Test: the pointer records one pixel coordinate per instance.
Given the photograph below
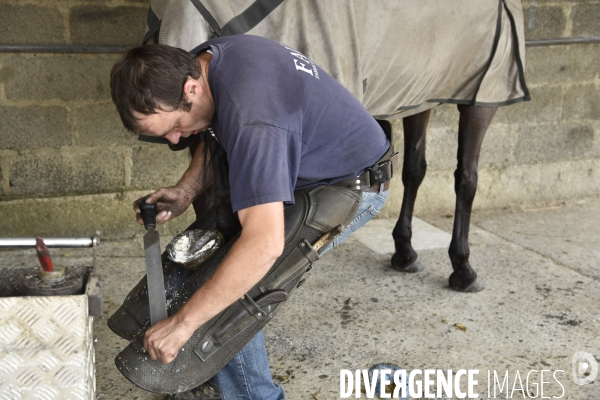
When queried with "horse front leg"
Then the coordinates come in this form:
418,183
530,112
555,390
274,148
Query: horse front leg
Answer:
413,172
473,124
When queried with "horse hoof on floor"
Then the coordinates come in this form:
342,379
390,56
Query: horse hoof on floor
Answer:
461,286
416,266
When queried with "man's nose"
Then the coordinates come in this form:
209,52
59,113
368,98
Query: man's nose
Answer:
173,137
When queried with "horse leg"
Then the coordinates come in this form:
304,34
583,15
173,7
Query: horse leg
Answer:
413,172
473,124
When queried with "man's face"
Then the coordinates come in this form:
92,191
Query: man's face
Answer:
173,125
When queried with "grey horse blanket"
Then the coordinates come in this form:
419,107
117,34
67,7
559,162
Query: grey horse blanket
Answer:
399,57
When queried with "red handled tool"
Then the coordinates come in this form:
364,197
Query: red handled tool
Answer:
43,254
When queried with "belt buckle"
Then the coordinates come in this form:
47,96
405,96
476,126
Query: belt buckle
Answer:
381,172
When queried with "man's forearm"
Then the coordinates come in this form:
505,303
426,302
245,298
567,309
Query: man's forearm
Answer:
261,242
246,264
249,259
199,175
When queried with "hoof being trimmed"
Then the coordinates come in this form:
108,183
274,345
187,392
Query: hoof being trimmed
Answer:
416,266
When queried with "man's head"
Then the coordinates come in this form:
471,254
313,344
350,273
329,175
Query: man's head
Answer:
152,81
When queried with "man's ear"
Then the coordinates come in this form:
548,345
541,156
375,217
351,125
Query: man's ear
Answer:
192,88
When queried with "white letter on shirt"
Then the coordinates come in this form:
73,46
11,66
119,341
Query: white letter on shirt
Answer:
300,66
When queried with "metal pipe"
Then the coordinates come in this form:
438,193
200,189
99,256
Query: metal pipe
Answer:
34,48
16,243
553,42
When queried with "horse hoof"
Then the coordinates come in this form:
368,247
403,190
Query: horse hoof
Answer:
459,285
416,266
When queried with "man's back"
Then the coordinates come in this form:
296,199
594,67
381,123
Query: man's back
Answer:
285,123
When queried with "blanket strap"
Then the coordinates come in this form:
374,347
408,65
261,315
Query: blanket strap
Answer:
242,23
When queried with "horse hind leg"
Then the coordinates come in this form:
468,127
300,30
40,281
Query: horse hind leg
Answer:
473,124
413,171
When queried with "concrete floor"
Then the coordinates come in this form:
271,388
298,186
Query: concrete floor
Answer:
541,303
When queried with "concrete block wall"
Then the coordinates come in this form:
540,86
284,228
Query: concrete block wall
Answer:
67,167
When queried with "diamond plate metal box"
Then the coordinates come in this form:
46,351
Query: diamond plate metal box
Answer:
46,342
46,348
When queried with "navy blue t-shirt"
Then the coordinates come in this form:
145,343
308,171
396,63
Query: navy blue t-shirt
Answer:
284,123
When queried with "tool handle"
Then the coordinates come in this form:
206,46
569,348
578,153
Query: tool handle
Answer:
43,254
149,214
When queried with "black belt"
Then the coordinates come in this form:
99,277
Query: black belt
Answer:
372,178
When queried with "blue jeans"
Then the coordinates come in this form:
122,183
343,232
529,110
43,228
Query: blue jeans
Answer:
248,375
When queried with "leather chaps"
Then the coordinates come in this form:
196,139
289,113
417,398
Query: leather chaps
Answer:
310,225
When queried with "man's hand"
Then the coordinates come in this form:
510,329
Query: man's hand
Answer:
163,340
171,202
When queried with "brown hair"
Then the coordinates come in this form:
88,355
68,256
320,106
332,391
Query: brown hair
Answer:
150,78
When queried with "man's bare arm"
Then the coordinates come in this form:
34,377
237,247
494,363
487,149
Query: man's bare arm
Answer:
250,258
173,201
